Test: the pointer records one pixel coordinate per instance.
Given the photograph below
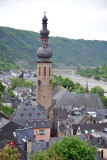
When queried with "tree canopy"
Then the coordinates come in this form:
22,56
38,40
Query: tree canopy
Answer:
2,87
68,52
9,153
67,83
97,89
99,73
18,82
68,148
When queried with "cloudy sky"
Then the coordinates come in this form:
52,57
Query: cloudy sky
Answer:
75,19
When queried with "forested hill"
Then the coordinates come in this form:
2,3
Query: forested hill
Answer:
20,46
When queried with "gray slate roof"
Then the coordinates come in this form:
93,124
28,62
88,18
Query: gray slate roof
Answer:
97,127
65,98
6,98
31,114
39,146
26,133
15,103
21,89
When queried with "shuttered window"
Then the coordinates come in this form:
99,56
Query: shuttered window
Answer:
41,132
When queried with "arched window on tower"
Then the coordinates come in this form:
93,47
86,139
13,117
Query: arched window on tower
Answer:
49,71
39,71
44,41
44,71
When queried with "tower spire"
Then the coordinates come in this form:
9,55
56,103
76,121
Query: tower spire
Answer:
87,90
44,53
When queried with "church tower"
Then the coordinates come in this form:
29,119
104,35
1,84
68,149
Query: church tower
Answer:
44,83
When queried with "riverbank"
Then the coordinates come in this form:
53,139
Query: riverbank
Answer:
82,80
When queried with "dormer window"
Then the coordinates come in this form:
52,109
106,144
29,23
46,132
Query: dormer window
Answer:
21,114
27,123
30,114
86,131
105,129
42,122
99,141
34,123
38,114
92,130
92,114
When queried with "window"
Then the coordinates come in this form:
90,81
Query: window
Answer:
44,71
105,129
45,41
92,114
99,141
34,123
49,71
92,130
86,131
41,132
27,123
39,71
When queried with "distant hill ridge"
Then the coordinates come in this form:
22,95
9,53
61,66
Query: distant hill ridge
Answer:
20,45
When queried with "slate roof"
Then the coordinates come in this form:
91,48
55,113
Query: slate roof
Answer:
62,114
65,98
97,127
3,122
39,146
21,89
100,113
31,116
82,119
41,108
53,139
15,103
6,133
6,98
26,133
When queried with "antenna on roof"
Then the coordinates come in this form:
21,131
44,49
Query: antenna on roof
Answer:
87,90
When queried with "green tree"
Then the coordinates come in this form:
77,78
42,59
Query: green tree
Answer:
11,94
69,148
2,87
16,82
6,109
81,89
104,100
97,89
67,83
54,83
27,83
9,153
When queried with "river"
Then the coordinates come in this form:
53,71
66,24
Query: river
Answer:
82,80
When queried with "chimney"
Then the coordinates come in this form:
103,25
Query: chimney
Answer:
29,146
88,136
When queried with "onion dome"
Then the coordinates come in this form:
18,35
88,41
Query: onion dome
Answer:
44,19
44,52
44,32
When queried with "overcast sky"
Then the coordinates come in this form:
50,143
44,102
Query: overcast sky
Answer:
74,19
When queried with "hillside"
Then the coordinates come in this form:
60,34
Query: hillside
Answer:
18,47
